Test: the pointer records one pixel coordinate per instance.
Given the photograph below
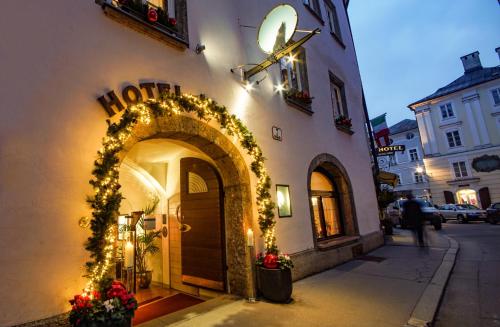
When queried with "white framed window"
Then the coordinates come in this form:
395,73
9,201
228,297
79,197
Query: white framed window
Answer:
495,96
418,177
294,72
446,110
337,93
413,153
460,169
398,179
333,19
453,139
410,136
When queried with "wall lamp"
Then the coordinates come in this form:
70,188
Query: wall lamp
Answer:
199,48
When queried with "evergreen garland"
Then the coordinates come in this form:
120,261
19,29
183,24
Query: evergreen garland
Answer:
105,202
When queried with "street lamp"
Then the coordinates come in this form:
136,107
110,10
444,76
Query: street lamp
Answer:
419,170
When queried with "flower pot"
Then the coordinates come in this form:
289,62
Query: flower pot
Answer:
275,284
144,279
123,323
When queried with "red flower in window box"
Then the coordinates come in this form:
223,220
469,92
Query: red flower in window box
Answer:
343,121
152,15
301,96
172,21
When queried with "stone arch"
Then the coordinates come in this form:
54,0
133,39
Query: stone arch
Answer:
332,167
235,179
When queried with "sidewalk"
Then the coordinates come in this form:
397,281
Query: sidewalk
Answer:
357,293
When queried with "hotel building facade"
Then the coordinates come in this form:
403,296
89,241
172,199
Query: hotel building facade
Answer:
70,70
459,128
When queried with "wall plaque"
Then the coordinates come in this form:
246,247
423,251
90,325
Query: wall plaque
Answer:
486,163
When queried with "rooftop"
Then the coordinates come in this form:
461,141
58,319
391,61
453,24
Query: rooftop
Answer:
403,126
467,80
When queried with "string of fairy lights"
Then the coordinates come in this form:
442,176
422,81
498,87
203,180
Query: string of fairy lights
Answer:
105,202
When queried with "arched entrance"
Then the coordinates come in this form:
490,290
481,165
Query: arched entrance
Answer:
235,183
331,199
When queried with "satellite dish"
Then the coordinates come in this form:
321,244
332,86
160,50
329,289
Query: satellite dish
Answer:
277,28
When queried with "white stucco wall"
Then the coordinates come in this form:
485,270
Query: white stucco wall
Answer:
59,56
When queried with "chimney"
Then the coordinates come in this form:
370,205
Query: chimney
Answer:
471,62
498,52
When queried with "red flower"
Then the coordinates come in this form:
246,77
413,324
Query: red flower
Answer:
172,21
270,261
152,15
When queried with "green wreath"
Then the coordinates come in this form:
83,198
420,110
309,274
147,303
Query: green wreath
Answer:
105,202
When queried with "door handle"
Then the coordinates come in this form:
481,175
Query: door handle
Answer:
180,218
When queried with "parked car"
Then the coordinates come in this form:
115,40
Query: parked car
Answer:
431,214
493,213
463,213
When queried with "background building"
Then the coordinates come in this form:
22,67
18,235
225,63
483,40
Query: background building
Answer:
407,165
59,58
459,128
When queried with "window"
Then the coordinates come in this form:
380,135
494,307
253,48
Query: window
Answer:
294,74
413,154
164,20
419,178
337,92
325,206
460,169
447,111
398,179
410,136
495,93
333,20
453,139
314,6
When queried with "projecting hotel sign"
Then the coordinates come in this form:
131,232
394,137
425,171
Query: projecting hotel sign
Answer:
390,149
132,94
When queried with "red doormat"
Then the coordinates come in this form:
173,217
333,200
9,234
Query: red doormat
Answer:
162,307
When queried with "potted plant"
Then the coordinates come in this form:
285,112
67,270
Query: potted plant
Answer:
343,122
146,247
300,96
274,276
111,305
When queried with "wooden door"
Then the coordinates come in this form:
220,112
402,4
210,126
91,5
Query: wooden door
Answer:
448,197
484,197
202,241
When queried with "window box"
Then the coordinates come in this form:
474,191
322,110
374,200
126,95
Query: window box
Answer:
344,124
140,17
299,99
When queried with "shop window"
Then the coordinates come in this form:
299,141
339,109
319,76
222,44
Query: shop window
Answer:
325,205
333,21
453,138
165,20
294,79
460,169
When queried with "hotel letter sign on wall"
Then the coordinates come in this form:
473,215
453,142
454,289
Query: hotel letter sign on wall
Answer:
132,94
390,149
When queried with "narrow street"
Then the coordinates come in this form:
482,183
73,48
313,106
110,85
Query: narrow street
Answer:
472,297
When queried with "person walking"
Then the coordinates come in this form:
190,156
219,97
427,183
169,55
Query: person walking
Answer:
414,217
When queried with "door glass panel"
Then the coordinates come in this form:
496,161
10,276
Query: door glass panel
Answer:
196,184
332,221
317,218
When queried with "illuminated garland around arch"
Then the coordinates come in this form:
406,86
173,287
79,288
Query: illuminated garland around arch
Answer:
105,202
